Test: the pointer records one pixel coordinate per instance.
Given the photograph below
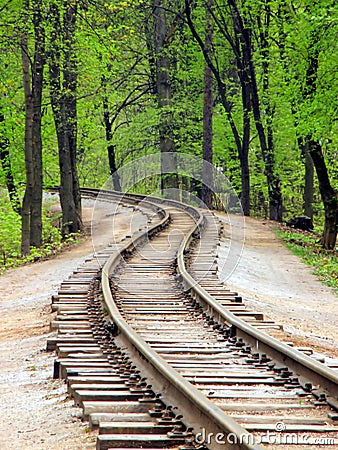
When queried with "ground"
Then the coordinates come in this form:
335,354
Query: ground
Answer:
34,408
273,280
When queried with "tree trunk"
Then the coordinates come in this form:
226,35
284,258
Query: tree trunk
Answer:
207,175
328,193
37,84
69,90
244,150
169,178
308,192
111,147
243,33
63,99
245,174
69,215
329,196
28,195
113,169
242,144
242,57
273,181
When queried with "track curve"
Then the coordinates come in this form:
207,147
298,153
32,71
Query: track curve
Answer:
176,367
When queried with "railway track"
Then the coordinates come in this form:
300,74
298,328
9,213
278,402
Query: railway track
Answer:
160,355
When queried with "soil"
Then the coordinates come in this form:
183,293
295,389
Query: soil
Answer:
273,280
35,410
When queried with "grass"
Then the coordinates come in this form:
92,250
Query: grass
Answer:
306,245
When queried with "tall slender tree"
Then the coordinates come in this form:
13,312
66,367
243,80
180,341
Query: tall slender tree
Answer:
241,137
328,193
169,179
207,175
33,83
243,29
63,83
309,138
266,133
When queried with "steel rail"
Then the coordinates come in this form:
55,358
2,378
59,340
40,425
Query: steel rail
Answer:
197,410
173,386
310,369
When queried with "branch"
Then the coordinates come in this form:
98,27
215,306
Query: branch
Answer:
129,101
5,5
221,85
224,30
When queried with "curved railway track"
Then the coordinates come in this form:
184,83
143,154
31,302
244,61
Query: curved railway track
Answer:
160,355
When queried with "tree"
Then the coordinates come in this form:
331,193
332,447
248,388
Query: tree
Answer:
242,143
63,82
243,29
313,70
206,194
33,80
266,134
162,35
328,193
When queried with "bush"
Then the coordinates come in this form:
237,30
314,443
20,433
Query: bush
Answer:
10,235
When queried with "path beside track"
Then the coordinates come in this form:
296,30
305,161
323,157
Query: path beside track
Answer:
34,409
272,279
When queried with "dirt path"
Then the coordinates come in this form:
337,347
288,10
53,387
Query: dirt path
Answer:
273,280
34,409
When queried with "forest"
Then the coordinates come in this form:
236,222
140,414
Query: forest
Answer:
87,86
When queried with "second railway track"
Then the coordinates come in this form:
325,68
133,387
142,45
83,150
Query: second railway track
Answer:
155,345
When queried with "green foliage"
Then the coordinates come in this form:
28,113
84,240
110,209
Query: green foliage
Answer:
10,236
308,248
114,44
10,233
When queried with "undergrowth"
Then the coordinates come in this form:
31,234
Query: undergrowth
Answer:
10,237
306,245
